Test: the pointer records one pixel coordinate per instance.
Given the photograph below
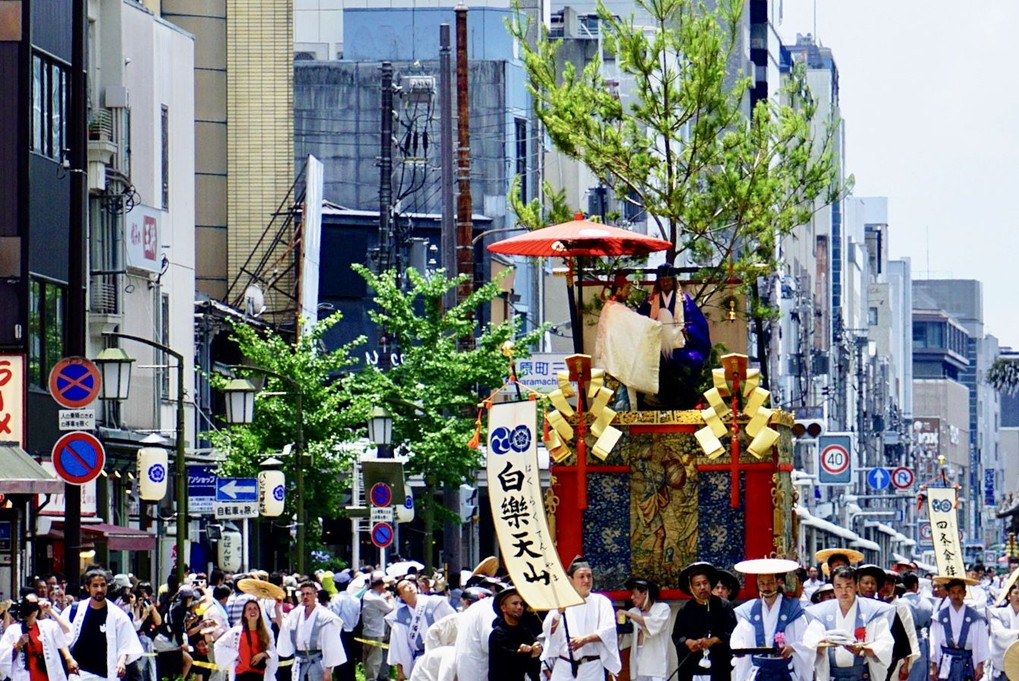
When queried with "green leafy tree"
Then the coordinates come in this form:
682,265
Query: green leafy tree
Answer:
1004,375
721,186
433,391
330,417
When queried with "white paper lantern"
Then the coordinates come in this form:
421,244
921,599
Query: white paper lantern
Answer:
152,473
405,511
229,551
271,492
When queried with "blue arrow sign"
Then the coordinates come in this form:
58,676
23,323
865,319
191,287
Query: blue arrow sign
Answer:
878,478
236,489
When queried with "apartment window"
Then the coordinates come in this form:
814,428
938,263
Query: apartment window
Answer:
164,128
49,107
46,342
872,316
520,130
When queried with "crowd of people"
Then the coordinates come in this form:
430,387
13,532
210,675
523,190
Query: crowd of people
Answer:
836,620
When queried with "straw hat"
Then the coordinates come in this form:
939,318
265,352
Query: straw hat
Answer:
945,579
852,555
487,567
261,589
766,566
1011,664
1005,588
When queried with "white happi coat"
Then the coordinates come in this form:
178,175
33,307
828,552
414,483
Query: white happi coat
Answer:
1004,626
595,616
439,661
121,638
652,657
12,665
228,650
876,618
473,630
329,641
431,610
745,636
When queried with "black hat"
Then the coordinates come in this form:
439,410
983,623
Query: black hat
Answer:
692,570
474,594
507,590
578,563
874,571
730,581
643,585
665,270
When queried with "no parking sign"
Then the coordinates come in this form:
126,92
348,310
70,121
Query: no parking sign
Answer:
834,459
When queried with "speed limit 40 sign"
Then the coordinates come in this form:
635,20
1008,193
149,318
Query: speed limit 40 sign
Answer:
834,459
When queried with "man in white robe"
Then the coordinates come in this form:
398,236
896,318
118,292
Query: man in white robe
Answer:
474,627
439,662
410,623
311,634
850,638
101,633
15,640
582,636
959,637
1004,624
773,620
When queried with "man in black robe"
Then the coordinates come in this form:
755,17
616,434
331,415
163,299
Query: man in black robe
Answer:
703,627
513,649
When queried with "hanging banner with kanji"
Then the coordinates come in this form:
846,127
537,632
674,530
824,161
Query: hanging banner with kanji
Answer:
945,531
514,488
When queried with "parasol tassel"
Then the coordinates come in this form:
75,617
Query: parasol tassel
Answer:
475,442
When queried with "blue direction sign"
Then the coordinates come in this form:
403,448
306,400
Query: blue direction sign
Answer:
236,489
78,457
879,478
201,488
382,535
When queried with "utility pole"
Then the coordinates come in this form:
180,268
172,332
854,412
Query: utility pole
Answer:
387,249
449,228
77,265
464,224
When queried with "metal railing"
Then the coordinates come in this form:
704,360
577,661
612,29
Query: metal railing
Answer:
104,293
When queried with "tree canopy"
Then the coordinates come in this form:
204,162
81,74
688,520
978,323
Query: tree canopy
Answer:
722,186
1004,375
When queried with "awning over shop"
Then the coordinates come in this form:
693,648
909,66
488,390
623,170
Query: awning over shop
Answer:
890,531
115,537
865,544
807,518
20,474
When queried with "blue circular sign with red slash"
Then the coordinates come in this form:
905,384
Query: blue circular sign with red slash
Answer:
381,494
382,535
75,382
78,457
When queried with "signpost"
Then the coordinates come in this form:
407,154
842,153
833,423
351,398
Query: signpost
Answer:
381,494
201,488
835,463
77,419
78,458
236,489
878,478
74,382
926,534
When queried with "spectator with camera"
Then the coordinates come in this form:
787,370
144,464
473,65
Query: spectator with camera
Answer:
34,649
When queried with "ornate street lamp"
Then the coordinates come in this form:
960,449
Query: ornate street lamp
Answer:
240,401
115,366
380,430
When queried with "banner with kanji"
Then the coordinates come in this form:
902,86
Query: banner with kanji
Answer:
514,488
945,531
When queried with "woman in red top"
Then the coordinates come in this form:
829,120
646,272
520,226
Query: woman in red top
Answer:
247,650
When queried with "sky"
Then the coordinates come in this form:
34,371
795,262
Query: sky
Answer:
929,92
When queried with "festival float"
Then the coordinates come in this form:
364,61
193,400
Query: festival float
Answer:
654,467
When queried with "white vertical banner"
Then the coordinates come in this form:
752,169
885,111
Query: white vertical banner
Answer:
945,531
514,488
311,242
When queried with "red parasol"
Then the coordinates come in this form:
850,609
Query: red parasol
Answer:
579,237
570,240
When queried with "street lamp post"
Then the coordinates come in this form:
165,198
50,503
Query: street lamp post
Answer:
240,411
115,364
